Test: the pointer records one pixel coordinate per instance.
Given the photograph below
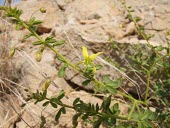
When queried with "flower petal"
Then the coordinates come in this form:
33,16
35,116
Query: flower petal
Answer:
93,56
85,52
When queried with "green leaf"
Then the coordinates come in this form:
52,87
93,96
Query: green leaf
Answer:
98,67
18,27
85,116
61,95
76,101
58,115
32,19
46,103
106,103
116,106
111,89
150,36
120,126
86,82
114,84
97,123
137,19
50,41
61,59
37,22
60,42
110,83
140,125
131,10
145,115
129,126
37,43
113,120
53,99
159,48
147,124
44,94
62,70
75,118
153,116
135,115
63,110
49,38
43,121
106,79
142,28
27,36
34,28
53,104
97,107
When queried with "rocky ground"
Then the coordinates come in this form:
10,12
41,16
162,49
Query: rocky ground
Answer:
79,22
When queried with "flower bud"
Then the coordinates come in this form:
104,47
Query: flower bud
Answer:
12,52
43,10
38,56
46,85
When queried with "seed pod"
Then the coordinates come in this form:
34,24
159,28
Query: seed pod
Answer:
38,56
43,10
46,85
12,52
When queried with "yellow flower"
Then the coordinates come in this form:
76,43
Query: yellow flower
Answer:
88,59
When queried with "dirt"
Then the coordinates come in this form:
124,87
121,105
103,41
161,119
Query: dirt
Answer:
80,22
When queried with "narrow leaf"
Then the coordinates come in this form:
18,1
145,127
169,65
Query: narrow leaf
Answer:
75,118
57,43
86,82
145,115
58,115
76,101
61,95
97,123
37,43
53,104
46,103
43,121
63,110
27,36
62,70
37,22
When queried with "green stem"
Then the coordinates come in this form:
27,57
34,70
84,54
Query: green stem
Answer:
147,86
68,62
132,110
137,106
149,77
61,104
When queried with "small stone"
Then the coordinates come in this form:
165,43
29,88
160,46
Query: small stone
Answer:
130,29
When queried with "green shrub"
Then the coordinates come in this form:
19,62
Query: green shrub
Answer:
154,67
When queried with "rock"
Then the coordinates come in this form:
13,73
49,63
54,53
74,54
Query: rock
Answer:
62,3
130,29
41,30
83,22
